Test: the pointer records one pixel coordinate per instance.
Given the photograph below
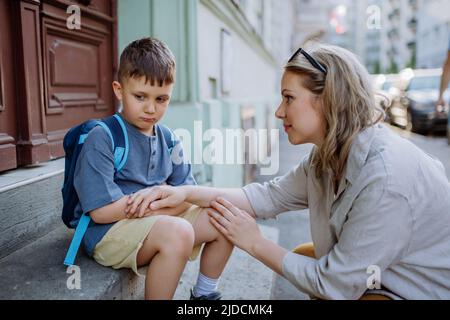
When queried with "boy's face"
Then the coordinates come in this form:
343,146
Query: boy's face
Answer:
143,104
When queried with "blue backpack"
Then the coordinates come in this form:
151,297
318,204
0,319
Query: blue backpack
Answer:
73,143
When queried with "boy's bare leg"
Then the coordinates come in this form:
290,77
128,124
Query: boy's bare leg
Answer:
165,251
217,249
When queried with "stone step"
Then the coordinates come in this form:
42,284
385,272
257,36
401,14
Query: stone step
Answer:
37,272
31,204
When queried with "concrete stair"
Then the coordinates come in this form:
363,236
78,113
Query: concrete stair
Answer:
37,272
33,243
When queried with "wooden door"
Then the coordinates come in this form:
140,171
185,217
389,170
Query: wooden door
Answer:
8,127
62,76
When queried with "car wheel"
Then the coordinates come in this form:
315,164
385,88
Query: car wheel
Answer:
409,122
413,127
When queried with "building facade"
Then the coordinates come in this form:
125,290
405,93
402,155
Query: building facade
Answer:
352,24
433,33
311,21
398,36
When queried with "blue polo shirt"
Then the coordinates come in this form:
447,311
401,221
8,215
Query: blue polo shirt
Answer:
149,164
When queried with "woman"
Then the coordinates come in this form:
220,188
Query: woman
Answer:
379,206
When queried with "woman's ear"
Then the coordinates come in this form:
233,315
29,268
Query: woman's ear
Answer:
317,103
117,88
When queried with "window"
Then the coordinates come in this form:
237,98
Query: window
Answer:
226,61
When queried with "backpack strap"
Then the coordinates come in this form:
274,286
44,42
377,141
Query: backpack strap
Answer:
119,136
76,240
115,127
168,136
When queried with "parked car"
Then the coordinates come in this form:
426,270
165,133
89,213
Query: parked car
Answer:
416,109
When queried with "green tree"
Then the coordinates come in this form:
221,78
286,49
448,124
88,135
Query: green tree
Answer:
393,68
412,61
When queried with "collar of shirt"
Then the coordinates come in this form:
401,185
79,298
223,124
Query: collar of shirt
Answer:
356,159
359,151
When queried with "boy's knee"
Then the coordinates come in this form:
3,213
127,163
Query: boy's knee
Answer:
204,226
184,232
178,235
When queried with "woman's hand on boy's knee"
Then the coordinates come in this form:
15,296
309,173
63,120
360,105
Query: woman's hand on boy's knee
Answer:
237,225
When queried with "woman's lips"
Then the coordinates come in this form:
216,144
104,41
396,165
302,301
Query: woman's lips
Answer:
286,128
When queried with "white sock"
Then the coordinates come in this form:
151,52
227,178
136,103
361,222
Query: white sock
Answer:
205,285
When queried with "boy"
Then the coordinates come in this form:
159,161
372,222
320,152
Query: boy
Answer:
126,235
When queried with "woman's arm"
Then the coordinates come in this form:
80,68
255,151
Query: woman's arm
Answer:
286,193
161,197
175,211
367,240
202,196
116,211
242,230
270,254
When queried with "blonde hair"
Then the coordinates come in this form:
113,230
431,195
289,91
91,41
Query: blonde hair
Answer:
348,102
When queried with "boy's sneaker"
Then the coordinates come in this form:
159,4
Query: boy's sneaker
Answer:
212,296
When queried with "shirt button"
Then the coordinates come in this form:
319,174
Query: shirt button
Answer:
153,153
152,167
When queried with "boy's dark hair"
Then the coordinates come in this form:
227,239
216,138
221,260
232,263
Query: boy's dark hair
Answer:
148,57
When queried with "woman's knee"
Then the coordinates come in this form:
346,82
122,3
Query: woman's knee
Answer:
305,249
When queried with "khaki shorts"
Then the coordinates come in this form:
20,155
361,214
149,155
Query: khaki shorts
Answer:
120,245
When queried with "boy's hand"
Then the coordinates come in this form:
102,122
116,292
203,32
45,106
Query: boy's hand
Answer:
147,213
153,198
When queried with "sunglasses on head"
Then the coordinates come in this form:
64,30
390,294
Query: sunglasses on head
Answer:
311,60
